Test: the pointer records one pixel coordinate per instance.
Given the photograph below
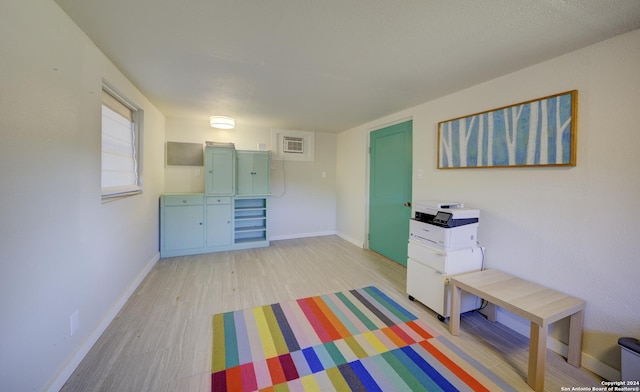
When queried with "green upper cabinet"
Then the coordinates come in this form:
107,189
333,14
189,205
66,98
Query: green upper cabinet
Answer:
253,172
220,167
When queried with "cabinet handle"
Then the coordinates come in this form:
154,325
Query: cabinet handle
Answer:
200,223
184,201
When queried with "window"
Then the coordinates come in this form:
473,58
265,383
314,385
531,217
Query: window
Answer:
121,137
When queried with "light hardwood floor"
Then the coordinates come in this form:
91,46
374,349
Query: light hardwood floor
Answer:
161,340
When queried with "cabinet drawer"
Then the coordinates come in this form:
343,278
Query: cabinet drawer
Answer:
182,200
431,287
218,200
447,262
427,256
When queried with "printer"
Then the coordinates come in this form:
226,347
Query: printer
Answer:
442,243
444,224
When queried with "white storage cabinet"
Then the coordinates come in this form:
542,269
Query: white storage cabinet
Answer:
428,270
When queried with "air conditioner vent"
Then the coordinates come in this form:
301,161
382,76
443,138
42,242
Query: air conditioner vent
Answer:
293,145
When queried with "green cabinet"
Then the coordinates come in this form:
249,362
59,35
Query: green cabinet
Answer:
220,168
230,215
219,222
182,229
253,172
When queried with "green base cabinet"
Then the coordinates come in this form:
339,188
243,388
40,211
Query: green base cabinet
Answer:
219,222
182,223
195,223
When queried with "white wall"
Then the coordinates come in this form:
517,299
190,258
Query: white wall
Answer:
61,248
303,202
572,229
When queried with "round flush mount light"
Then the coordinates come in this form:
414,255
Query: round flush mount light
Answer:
222,122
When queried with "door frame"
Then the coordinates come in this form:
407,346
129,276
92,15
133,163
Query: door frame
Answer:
368,170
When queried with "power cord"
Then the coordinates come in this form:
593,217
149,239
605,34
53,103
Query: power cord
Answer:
284,182
483,303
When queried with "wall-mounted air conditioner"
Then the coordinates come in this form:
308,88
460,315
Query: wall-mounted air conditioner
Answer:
291,145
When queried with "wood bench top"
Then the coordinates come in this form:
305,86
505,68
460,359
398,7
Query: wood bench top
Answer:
532,301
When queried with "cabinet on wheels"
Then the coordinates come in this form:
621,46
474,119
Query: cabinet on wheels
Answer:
428,271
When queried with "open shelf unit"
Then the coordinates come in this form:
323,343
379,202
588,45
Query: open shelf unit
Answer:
250,219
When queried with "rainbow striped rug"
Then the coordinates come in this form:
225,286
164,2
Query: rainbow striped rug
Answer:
359,340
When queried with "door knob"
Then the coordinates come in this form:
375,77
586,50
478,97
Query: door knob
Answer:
407,204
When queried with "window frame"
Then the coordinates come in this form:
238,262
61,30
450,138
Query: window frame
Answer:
137,121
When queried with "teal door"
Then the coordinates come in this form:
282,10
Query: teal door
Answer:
390,166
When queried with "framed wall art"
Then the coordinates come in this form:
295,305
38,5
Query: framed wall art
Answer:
540,132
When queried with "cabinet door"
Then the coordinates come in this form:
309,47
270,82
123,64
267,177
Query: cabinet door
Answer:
183,227
219,230
261,170
245,172
253,172
220,171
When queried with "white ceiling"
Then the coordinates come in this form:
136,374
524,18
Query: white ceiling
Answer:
329,65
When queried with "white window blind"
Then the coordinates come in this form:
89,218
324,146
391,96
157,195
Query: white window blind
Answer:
119,144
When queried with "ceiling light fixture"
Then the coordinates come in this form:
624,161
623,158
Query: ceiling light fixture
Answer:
222,122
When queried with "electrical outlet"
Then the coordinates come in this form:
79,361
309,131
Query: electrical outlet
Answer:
74,322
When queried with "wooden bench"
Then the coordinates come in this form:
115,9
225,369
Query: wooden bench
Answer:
538,304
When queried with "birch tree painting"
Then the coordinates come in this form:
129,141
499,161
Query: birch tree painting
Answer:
540,132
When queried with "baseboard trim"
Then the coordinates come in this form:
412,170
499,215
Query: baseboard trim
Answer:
590,363
302,235
63,375
355,242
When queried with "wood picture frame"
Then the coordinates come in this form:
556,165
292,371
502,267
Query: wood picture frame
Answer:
539,132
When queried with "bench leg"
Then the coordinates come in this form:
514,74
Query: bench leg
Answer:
575,339
454,311
492,312
537,356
